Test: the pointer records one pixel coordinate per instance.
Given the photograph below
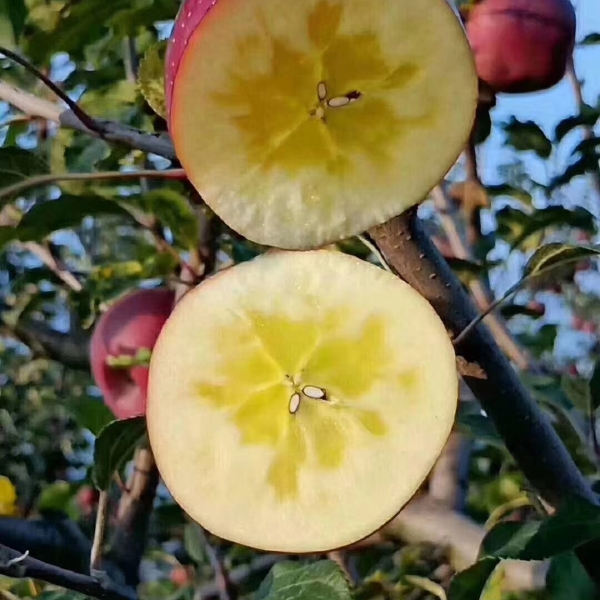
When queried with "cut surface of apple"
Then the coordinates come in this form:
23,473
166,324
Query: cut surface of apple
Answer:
303,126
297,401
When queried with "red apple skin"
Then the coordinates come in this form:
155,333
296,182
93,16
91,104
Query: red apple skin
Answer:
521,46
132,323
187,20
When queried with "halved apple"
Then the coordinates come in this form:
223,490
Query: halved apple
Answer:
297,401
304,123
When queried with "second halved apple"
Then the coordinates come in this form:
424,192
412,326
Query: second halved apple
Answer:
302,124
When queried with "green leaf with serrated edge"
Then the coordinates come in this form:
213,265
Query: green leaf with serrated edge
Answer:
65,212
594,387
567,579
320,580
527,136
114,447
151,78
470,583
556,254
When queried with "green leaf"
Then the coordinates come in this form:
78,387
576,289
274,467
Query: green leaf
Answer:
588,163
173,210
65,212
320,580
56,496
511,191
17,165
568,580
516,226
590,39
192,540
494,586
435,589
554,255
575,523
114,446
527,136
91,413
577,391
471,422
470,583
16,13
587,117
594,388
151,78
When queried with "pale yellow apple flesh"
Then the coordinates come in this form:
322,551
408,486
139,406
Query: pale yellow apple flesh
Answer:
304,123
297,401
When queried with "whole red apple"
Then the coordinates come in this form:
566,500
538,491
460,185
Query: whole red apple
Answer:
131,324
521,46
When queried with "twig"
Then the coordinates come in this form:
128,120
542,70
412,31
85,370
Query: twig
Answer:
525,429
227,590
481,294
86,119
40,180
511,290
159,144
99,531
15,564
51,262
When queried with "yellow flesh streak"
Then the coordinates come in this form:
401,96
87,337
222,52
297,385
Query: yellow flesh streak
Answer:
244,108
255,383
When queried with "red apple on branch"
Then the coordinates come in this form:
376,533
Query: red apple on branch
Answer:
129,326
521,45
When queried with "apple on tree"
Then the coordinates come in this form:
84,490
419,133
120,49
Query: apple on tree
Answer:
128,326
521,45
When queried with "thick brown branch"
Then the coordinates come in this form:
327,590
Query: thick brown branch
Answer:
129,540
526,431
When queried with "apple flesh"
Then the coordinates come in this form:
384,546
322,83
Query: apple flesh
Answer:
303,127
297,401
521,45
131,324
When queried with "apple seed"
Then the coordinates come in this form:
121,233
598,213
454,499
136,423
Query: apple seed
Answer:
314,392
294,403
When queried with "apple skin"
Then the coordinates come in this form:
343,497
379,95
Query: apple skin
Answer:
132,323
521,46
187,20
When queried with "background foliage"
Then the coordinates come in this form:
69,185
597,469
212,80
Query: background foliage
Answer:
81,244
